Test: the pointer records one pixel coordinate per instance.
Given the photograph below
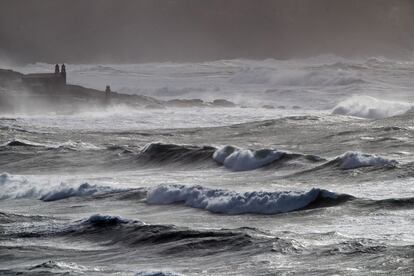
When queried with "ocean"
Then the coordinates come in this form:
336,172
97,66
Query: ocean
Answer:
311,173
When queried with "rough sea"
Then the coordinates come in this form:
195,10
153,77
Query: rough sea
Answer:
311,174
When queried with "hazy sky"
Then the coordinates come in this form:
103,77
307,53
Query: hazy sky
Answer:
186,30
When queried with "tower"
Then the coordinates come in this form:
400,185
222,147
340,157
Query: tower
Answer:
107,94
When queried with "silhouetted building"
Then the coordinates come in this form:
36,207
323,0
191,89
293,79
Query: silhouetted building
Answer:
107,94
46,80
63,71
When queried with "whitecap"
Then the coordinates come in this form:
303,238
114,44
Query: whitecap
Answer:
236,159
370,107
355,159
231,202
14,187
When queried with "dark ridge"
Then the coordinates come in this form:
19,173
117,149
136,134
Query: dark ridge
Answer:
323,201
170,153
17,143
158,234
286,157
390,203
300,118
99,221
135,194
211,245
172,240
390,128
164,239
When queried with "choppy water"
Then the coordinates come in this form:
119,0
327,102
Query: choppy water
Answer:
217,191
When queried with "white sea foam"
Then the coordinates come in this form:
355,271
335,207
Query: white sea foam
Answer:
12,187
370,107
353,160
230,202
237,159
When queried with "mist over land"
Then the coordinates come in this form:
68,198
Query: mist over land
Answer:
126,31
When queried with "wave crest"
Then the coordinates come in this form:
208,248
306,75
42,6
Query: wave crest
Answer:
237,159
354,159
14,187
371,108
230,202
172,153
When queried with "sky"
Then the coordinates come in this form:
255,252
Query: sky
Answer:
128,31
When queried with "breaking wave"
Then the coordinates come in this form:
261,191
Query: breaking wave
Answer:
371,108
237,159
12,187
230,202
232,158
354,159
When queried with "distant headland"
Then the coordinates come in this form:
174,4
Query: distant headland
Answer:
50,91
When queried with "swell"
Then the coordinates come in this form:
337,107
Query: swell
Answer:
388,203
238,159
170,154
16,153
263,202
236,203
231,202
213,200
230,157
113,231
